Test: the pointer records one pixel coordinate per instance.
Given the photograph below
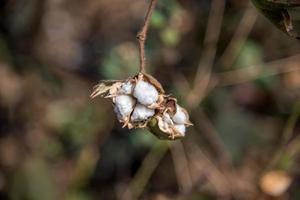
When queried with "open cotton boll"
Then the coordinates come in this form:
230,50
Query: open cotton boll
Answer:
141,113
180,116
180,128
164,122
167,118
145,93
126,88
123,106
117,111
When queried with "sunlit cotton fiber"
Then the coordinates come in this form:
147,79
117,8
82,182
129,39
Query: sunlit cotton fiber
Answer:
145,93
180,128
123,106
126,88
180,116
141,113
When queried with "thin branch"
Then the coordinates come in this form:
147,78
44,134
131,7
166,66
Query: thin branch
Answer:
242,75
239,38
210,133
145,171
181,166
286,136
142,35
205,167
212,34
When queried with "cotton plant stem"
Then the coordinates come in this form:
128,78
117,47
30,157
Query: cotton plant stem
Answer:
151,161
181,166
246,74
286,146
145,171
142,36
239,38
286,136
209,132
204,166
203,74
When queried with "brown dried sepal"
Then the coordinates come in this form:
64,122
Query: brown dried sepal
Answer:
106,88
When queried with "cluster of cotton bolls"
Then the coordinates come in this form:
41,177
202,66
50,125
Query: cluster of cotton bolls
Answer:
175,122
141,102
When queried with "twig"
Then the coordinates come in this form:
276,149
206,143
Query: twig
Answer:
145,171
204,166
208,130
181,166
238,76
286,146
203,75
142,35
239,38
225,182
286,136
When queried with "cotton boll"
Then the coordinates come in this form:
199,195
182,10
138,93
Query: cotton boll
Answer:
180,128
118,112
180,116
126,88
141,113
123,106
163,126
145,93
167,118
164,122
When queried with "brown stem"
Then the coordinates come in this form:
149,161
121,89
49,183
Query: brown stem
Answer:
204,71
142,35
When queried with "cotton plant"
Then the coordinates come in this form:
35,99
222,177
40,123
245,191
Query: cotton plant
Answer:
141,102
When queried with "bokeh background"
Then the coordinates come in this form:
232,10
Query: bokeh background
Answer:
236,73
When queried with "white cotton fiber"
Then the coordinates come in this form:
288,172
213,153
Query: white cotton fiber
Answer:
167,119
141,113
165,122
145,93
180,116
163,125
180,128
126,88
123,106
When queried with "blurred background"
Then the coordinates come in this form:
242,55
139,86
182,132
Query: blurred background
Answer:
236,73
